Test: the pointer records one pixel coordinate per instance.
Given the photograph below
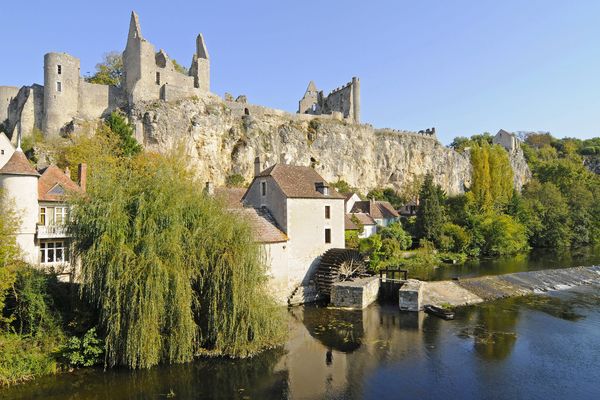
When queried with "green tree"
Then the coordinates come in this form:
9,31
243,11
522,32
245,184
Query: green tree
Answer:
235,180
9,253
502,235
110,71
430,215
172,274
550,222
395,232
124,131
492,184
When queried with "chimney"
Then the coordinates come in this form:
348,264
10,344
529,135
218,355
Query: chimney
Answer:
82,170
209,189
256,166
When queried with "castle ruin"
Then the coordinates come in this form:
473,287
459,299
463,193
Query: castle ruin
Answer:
65,96
344,100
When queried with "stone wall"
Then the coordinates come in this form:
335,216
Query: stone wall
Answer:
96,101
7,93
357,294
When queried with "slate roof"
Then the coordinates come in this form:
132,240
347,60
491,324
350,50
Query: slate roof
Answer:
231,197
18,164
263,224
376,209
51,177
363,218
298,182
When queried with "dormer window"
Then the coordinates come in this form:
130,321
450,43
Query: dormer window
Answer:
323,188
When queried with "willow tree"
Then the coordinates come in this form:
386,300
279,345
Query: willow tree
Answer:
171,272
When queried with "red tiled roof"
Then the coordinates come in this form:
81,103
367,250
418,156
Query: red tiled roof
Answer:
51,177
231,197
299,182
263,224
18,164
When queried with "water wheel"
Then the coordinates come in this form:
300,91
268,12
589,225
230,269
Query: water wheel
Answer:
338,265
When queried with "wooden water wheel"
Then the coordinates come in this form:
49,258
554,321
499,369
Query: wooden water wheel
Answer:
338,265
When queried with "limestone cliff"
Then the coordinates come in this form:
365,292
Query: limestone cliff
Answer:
223,138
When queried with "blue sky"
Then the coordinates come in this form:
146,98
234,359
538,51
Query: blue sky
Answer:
464,67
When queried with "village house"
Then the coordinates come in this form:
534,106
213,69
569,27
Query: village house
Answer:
370,215
295,216
39,197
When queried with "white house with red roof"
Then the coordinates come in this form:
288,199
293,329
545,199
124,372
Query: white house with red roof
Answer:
296,217
39,198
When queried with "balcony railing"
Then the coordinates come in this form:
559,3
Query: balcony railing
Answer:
51,231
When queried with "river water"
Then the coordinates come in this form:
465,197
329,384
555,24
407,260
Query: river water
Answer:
537,347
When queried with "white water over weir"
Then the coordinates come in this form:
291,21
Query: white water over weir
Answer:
476,290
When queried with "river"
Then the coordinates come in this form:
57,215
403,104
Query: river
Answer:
537,347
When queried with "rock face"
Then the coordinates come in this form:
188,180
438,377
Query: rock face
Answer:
222,138
592,163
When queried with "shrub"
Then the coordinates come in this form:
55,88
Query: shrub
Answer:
83,351
235,180
394,231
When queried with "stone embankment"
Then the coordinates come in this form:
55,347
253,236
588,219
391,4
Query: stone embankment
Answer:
476,290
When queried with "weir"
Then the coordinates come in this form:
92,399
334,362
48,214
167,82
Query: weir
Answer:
476,290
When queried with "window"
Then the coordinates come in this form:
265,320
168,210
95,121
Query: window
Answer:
59,69
263,188
53,252
58,87
60,215
327,235
158,78
327,212
42,215
2,152
57,190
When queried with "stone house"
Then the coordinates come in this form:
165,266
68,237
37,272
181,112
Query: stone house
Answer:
295,216
39,198
362,223
371,214
507,140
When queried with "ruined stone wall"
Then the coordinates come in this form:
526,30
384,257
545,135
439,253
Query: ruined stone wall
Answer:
96,101
7,93
340,100
25,112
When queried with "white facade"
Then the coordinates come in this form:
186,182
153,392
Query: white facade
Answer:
22,191
6,149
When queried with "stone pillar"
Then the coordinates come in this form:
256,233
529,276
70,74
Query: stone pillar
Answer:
410,296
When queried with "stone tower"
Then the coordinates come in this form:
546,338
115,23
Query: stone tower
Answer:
139,64
19,180
200,68
356,99
61,91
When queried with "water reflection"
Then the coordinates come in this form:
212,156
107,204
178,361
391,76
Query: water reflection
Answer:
492,327
381,353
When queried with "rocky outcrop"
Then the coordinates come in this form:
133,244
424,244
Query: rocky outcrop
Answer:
222,138
592,163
